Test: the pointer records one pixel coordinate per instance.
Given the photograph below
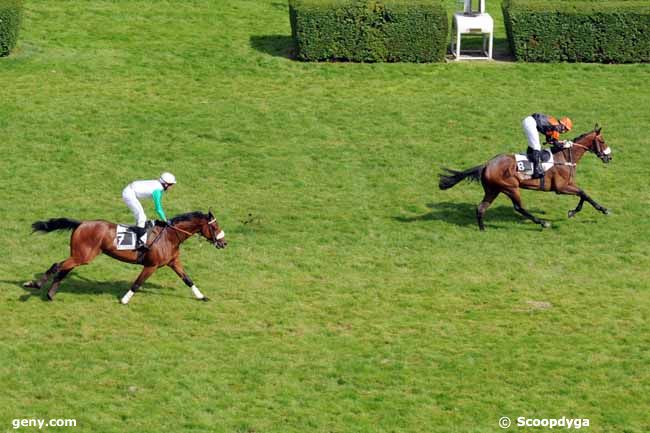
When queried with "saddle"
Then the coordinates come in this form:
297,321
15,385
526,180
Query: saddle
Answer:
525,166
126,236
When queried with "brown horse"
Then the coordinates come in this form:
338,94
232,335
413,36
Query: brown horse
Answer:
500,175
90,238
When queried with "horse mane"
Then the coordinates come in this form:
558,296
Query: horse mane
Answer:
188,216
583,135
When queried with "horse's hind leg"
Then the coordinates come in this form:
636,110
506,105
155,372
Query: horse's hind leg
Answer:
488,198
516,202
44,279
64,269
79,257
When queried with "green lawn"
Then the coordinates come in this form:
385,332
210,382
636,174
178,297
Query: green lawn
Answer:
354,295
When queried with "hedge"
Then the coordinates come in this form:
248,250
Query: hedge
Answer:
10,16
578,30
369,30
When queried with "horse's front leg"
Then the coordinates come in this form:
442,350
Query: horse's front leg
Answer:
584,196
177,266
574,190
146,273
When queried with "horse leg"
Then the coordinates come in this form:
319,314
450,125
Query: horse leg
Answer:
516,202
44,279
146,273
178,268
488,198
578,208
63,269
79,255
584,196
574,190
571,189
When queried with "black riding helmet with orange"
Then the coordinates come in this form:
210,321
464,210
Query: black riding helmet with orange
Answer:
551,127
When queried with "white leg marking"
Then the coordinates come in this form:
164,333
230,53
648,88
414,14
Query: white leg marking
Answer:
125,300
197,292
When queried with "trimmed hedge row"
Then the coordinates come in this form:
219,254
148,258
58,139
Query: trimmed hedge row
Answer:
369,30
578,31
11,12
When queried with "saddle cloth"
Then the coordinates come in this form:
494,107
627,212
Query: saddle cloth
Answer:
525,167
125,237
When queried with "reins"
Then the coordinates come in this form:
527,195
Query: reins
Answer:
161,232
580,145
156,238
180,230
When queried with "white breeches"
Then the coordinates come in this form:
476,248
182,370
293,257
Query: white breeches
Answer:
530,131
132,202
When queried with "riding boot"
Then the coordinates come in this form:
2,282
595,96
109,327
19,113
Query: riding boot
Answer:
139,244
538,170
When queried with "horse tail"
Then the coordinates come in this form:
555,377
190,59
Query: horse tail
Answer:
452,177
55,224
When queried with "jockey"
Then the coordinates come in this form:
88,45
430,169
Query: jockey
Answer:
146,189
551,128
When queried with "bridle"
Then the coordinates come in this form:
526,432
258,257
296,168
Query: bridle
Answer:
216,237
594,148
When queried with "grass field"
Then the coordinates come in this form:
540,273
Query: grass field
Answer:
354,295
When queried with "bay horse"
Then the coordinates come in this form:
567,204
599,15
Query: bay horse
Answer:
90,238
500,175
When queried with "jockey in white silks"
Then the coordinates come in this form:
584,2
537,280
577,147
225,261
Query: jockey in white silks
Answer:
538,123
150,189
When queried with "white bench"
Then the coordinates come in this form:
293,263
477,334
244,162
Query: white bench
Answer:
476,24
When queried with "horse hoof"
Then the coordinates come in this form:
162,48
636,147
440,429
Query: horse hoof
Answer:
204,299
31,285
606,212
50,298
546,224
572,213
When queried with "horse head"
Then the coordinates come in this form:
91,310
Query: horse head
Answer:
595,143
213,232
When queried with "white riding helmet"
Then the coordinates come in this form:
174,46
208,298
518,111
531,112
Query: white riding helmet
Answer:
167,178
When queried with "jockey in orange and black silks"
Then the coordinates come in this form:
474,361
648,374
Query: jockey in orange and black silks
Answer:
551,128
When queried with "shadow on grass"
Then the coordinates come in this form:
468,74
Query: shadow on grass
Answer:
76,284
464,214
283,46
500,51
275,45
